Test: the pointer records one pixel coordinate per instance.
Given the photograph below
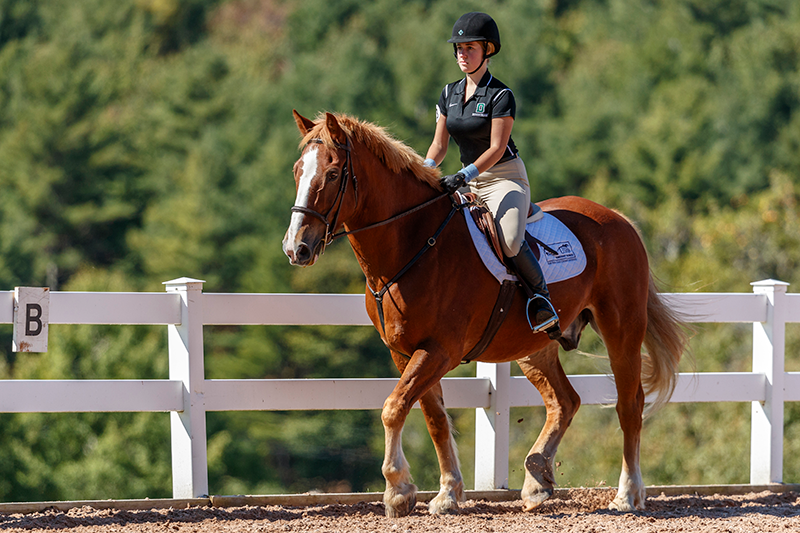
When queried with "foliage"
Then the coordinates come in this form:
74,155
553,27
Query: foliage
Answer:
144,140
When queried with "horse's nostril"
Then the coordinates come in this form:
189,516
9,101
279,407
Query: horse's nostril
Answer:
302,253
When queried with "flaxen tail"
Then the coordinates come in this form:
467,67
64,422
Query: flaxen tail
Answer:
665,341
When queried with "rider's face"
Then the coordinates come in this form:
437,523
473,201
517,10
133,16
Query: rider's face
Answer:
469,55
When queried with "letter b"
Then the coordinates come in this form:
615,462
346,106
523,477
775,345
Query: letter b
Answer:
33,322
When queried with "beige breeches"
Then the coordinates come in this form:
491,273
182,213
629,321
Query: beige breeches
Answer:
505,190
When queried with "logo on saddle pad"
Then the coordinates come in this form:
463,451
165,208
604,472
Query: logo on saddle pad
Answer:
564,251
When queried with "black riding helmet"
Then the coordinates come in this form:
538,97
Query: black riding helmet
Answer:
476,27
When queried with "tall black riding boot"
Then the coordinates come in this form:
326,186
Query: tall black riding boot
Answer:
541,313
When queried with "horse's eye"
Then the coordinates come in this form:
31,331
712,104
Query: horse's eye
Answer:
332,174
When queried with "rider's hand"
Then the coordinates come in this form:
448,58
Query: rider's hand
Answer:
453,182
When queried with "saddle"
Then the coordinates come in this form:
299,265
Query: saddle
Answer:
484,220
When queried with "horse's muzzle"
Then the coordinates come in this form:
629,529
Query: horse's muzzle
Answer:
302,252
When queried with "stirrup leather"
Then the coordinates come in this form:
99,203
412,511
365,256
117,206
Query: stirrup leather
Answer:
547,323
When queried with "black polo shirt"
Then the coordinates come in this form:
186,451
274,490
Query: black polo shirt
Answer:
470,123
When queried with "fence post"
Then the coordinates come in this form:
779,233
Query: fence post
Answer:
492,429
188,427
769,344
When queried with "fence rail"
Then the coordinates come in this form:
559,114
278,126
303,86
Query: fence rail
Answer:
188,395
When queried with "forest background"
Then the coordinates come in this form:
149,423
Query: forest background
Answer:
144,140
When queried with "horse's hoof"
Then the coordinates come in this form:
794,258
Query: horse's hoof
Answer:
398,503
444,504
534,500
625,505
539,481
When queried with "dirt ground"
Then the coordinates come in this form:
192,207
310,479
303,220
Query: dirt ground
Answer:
579,510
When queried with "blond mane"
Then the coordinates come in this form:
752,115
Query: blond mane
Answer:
395,154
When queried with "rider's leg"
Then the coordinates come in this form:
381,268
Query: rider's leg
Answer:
505,190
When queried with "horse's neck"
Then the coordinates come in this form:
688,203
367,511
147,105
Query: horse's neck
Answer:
384,250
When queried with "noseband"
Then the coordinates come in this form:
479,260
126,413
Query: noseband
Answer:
347,174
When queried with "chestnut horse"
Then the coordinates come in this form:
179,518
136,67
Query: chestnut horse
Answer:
432,307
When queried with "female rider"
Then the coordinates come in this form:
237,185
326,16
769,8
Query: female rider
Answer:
478,112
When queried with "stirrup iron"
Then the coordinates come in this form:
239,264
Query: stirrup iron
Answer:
548,324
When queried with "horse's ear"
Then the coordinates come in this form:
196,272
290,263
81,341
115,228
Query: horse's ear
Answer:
303,124
336,131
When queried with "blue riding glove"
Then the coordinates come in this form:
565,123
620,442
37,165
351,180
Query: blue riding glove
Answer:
451,183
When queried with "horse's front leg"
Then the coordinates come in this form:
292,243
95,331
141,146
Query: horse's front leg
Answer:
421,373
451,484
400,496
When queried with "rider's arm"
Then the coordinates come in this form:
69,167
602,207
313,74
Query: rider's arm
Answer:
501,132
441,137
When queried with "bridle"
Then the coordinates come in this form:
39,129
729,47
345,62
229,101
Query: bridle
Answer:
336,207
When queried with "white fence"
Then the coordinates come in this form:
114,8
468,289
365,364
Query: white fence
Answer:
187,395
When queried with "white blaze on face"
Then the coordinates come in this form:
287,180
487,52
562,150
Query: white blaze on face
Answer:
303,193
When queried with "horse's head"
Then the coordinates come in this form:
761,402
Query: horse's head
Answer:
322,175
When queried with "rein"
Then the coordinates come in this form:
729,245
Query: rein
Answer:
392,219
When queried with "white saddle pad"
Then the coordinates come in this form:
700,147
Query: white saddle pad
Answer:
568,263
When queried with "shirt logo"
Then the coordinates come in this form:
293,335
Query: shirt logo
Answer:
480,108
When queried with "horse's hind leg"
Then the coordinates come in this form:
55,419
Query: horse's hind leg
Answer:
624,352
544,370
451,484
